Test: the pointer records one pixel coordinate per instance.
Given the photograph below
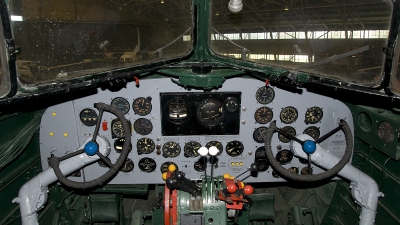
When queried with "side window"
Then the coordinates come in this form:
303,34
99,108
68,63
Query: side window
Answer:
5,83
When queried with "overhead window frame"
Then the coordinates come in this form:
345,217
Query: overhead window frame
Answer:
8,52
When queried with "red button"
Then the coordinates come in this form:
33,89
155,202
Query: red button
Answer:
248,189
104,125
232,188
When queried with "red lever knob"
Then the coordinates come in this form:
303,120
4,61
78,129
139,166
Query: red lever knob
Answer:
248,189
232,188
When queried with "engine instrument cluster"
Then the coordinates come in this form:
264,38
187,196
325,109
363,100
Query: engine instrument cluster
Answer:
170,124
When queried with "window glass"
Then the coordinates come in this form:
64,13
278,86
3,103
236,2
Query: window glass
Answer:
340,39
5,83
63,39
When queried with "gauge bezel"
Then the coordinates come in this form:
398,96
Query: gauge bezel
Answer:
168,154
188,153
289,156
271,96
120,140
206,121
127,160
229,108
149,159
216,144
292,120
286,129
314,128
167,164
139,147
138,126
257,134
237,144
137,110
319,117
85,123
261,119
125,101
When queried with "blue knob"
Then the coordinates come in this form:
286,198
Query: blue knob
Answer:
309,147
91,148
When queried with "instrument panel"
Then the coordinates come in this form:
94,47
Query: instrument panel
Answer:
169,124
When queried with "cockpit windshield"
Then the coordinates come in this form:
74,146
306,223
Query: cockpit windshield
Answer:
342,39
64,39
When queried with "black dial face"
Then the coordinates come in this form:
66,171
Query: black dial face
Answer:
275,174
127,166
147,165
294,170
210,112
284,157
263,115
145,146
313,132
164,166
265,95
303,161
288,130
259,134
386,132
88,117
143,126
216,144
119,143
234,148
122,104
289,115
171,149
304,171
116,129
261,159
199,166
191,148
313,115
177,109
142,106
231,104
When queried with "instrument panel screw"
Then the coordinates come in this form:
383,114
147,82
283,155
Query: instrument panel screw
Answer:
250,153
243,121
244,109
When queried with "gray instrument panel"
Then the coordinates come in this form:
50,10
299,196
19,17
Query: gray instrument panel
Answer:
62,131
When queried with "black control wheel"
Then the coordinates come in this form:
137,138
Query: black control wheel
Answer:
311,177
114,168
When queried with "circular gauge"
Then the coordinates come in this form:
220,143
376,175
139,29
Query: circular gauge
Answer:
313,115
88,117
216,144
294,170
171,149
234,148
259,134
119,143
164,166
313,132
210,112
127,166
386,132
289,114
364,122
143,126
231,104
265,95
284,157
177,109
142,106
116,129
288,130
304,171
275,174
103,164
122,104
147,165
261,159
199,166
190,149
263,115
145,146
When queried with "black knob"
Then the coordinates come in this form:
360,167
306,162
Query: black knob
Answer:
171,183
254,167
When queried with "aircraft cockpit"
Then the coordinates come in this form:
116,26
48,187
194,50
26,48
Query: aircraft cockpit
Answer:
206,112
